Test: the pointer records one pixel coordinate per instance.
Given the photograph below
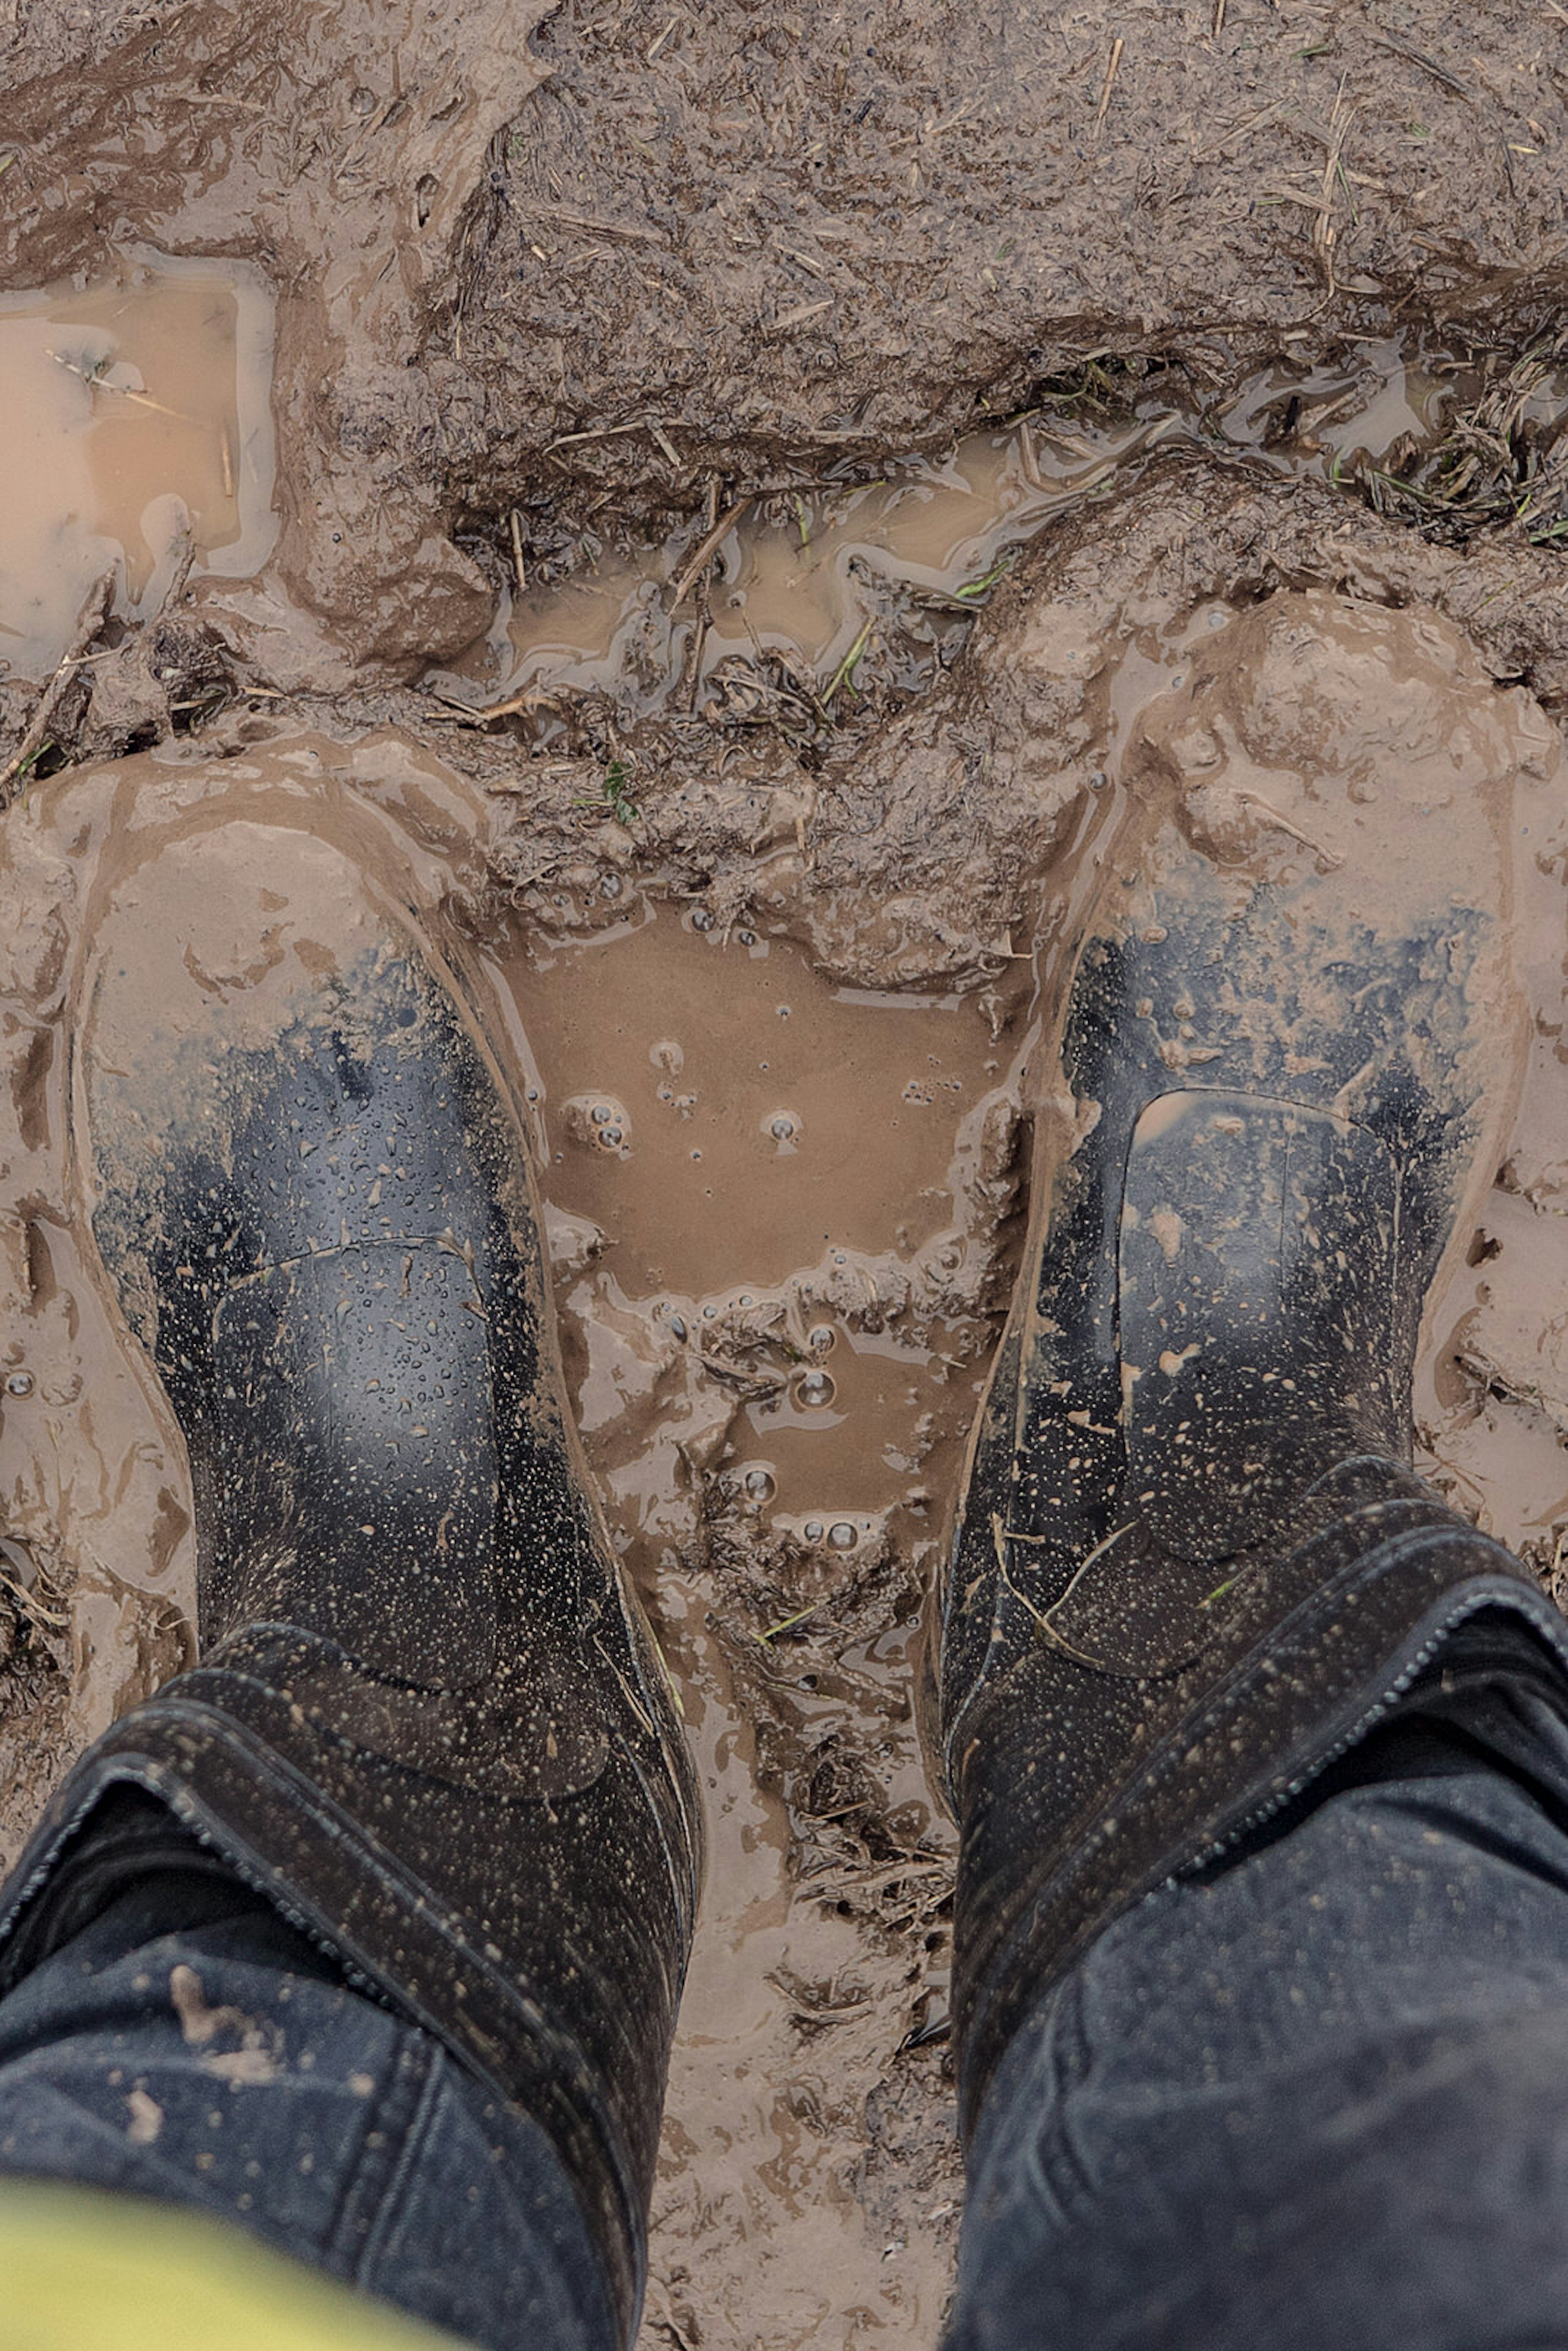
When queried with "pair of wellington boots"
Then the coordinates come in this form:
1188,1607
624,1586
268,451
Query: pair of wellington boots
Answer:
1189,1563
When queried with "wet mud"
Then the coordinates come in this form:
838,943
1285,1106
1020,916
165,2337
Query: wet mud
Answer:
138,432
738,512
560,261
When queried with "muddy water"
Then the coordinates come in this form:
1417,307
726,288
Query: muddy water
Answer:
758,1186
137,412
803,576
750,1155
883,575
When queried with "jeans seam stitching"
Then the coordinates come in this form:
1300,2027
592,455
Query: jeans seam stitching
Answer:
404,2162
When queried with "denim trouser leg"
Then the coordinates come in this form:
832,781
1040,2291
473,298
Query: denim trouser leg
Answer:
188,2045
1316,2099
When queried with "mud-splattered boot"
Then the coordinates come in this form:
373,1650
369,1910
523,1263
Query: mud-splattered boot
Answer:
1191,1563
428,1719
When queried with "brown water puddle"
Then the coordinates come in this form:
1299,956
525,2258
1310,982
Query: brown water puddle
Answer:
887,574
759,1189
135,411
760,1165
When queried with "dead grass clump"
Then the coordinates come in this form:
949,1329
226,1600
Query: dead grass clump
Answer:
1502,464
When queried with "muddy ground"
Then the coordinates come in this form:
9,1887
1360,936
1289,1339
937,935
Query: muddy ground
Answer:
559,286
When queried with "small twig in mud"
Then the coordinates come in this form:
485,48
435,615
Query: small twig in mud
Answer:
877,1881
1427,65
90,621
1073,443
707,548
1219,26
617,433
99,382
520,568
1323,230
1237,130
785,1624
845,673
464,714
1116,47
1029,458
590,220
1330,858
32,1610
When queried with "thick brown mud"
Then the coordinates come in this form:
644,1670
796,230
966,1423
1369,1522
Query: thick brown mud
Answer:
733,514
557,260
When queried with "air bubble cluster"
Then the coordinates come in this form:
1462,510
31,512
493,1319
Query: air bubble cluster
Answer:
598,1123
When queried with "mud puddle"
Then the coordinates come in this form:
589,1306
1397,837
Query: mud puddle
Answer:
138,421
763,1193
838,582
756,1173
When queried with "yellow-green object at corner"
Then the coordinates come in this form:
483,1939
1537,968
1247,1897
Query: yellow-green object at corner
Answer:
80,2271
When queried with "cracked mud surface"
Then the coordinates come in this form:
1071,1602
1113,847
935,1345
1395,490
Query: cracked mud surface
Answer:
616,274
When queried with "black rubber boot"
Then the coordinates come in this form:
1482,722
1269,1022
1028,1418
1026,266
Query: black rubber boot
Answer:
1191,1563
429,1720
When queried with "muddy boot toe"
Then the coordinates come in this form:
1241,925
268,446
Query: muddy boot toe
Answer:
428,1718
1191,1560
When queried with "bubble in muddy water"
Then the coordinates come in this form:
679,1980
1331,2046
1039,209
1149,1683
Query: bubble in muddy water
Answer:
822,1338
20,1383
813,1530
758,1485
841,1536
814,1390
702,920
597,1122
18,1562
783,1128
